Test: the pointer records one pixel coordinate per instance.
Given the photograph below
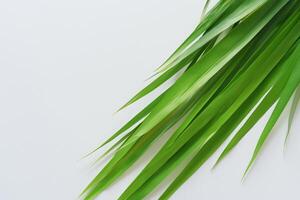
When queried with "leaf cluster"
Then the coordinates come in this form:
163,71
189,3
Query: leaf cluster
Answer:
240,61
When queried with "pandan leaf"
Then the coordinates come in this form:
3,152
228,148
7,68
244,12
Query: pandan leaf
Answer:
292,112
241,60
287,92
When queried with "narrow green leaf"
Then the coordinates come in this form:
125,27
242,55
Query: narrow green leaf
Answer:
280,78
292,113
204,25
288,91
242,10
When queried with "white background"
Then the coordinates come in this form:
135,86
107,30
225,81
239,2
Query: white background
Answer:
67,66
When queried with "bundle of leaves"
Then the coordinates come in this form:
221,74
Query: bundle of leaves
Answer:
242,60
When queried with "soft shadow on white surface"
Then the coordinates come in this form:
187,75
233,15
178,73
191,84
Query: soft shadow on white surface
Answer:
67,66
